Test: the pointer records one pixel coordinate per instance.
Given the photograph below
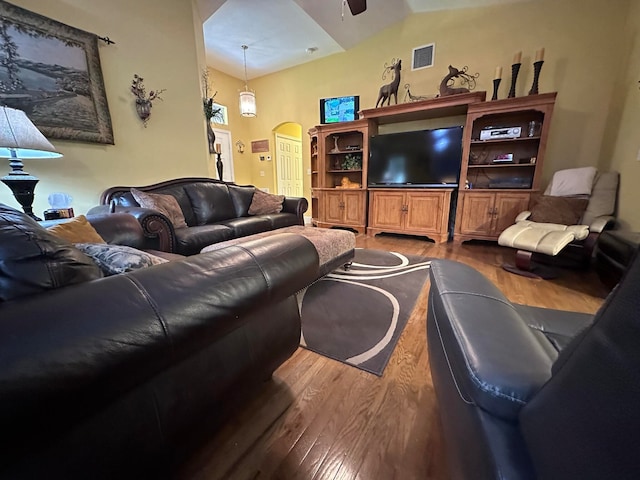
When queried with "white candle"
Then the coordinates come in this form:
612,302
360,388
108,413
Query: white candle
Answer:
498,72
218,149
540,55
517,58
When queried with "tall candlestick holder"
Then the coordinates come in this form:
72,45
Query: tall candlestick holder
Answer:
537,66
496,84
515,68
219,165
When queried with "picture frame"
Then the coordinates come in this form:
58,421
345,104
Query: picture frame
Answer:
223,117
52,72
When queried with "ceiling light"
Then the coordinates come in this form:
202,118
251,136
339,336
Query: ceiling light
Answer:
312,50
247,97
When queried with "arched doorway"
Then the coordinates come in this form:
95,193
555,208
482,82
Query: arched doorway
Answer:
288,162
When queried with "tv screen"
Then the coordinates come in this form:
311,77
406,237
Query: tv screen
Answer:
339,109
424,158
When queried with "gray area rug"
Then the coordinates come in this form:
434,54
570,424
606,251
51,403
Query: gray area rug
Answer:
357,316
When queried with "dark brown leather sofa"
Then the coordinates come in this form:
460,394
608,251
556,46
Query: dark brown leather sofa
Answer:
112,377
214,212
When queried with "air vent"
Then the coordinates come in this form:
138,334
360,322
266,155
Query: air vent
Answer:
423,56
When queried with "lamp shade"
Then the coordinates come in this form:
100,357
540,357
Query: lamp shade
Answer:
247,104
19,134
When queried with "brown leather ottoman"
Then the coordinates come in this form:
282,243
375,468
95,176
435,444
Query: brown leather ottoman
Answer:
614,252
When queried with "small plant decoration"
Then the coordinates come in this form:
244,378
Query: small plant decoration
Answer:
211,112
352,162
143,102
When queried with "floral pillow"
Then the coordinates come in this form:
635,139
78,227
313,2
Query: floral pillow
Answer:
115,259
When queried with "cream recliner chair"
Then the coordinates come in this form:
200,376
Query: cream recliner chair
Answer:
535,240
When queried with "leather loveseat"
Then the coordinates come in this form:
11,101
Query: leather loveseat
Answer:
533,393
111,377
214,211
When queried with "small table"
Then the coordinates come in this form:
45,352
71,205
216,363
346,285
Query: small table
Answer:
614,252
335,247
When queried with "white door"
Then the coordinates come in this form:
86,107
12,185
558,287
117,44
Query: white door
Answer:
223,137
289,165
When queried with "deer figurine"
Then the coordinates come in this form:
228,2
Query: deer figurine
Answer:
446,89
390,88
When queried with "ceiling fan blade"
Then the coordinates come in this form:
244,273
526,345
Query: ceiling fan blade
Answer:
357,6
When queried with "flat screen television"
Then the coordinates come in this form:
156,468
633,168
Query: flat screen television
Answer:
424,158
339,109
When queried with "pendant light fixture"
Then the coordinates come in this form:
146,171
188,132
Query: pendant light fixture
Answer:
247,97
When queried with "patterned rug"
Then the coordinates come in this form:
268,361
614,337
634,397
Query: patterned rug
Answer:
357,316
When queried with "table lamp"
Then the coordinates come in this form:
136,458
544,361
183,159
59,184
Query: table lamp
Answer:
21,139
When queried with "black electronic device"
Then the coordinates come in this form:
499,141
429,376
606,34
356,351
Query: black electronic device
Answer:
424,158
339,109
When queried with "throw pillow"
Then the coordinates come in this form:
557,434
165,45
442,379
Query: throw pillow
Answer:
572,181
165,204
33,260
264,203
77,230
560,210
115,259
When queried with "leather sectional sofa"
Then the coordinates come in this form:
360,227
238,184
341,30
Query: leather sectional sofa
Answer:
214,212
112,377
534,393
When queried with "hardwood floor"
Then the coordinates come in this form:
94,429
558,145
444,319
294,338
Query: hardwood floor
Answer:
321,419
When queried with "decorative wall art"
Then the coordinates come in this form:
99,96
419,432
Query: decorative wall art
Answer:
52,72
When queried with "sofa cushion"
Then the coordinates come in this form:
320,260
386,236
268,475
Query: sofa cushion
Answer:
77,230
190,241
247,225
572,181
263,203
210,202
165,204
33,260
560,210
281,220
116,259
241,197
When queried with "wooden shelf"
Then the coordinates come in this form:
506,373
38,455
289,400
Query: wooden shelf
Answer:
503,165
436,107
344,171
504,140
341,152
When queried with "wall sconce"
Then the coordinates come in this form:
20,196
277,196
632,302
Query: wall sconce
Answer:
240,146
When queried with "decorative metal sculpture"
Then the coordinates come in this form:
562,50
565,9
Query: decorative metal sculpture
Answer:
414,98
390,88
446,86
143,102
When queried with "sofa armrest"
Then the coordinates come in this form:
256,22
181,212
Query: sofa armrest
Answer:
77,348
296,205
602,223
157,228
497,361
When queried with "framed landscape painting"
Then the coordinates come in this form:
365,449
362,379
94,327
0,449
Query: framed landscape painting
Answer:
52,72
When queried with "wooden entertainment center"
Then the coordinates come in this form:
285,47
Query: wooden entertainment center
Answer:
499,174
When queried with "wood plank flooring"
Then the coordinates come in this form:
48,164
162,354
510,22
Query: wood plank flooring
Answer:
320,419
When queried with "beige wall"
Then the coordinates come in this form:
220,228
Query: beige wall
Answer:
157,40
622,149
584,50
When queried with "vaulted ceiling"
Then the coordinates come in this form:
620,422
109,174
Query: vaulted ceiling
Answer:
284,33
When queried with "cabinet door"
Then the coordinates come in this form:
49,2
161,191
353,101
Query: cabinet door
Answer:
477,213
333,207
353,207
508,206
387,210
425,212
